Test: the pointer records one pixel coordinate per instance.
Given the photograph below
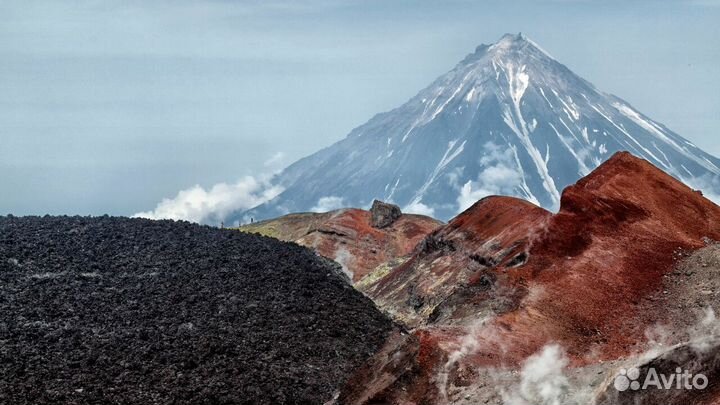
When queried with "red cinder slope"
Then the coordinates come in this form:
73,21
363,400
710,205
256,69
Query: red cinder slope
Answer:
608,248
348,237
589,278
496,231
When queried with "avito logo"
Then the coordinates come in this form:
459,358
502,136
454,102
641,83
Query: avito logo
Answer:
629,379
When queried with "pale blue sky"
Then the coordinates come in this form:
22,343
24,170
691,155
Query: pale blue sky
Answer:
107,106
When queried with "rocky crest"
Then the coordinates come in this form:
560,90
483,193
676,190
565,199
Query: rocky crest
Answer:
350,237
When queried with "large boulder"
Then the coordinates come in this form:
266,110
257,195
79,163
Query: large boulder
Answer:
384,214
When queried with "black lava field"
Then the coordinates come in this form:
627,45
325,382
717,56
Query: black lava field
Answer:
131,311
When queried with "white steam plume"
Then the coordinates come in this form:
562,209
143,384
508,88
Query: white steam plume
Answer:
212,206
469,345
542,379
700,335
343,257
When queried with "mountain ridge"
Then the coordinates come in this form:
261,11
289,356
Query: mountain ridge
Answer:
506,279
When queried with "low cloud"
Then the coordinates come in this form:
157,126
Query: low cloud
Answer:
213,205
329,203
499,176
709,185
276,162
419,208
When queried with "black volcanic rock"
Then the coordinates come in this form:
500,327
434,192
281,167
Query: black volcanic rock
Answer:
131,311
384,214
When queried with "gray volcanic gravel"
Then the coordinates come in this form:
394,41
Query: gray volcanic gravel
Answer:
131,311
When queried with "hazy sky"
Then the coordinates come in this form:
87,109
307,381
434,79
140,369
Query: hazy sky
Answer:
108,106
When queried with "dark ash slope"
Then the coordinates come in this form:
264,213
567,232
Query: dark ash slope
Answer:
115,310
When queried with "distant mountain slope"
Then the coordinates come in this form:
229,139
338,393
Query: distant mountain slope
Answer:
508,119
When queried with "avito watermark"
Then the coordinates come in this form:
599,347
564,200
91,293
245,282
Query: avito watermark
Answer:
629,379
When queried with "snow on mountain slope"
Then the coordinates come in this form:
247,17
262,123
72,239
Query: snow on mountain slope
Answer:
508,119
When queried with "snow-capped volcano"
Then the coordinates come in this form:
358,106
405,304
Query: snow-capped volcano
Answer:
508,119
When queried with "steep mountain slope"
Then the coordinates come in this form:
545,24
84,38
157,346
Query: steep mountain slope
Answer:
130,311
508,119
505,279
495,232
349,237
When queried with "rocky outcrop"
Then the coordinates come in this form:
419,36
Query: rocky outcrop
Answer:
384,214
112,310
504,279
349,237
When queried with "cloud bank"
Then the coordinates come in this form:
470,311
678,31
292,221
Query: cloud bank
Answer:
707,184
212,206
276,162
419,209
499,176
329,203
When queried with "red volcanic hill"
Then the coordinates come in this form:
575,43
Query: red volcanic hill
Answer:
513,278
453,265
352,237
